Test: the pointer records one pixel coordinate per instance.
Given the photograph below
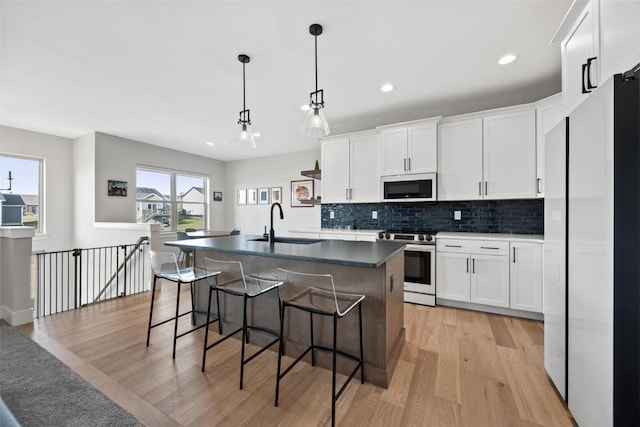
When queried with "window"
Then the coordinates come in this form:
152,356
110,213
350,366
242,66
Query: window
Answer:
176,200
22,205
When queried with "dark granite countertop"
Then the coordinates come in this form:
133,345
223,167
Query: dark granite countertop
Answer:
354,253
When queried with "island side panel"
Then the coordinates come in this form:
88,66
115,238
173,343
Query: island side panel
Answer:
380,333
394,311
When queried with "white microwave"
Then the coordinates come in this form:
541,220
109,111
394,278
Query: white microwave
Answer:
409,188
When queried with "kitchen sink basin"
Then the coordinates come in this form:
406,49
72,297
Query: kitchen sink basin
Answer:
292,240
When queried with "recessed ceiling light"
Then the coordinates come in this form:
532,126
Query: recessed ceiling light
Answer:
507,59
305,107
257,134
387,87
210,143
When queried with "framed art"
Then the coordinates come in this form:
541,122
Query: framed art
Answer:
252,196
242,197
276,194
263,196
117,188
217,196
300,191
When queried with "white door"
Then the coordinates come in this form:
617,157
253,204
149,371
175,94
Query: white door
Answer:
365,169
394,151
526,276
509,155
335,171
490,280
422,148
452,276
460,160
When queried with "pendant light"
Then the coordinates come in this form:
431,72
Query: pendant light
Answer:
243,136
316,124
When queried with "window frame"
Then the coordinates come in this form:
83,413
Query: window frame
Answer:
41,229
174,202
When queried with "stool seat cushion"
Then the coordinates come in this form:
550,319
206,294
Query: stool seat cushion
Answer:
323,301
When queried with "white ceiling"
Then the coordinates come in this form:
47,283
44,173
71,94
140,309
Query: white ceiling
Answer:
166,72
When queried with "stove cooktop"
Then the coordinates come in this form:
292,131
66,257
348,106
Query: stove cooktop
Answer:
413,238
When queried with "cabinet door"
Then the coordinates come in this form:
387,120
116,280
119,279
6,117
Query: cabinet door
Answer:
547,116
365,169
619,35
526,276
422,148
580,45
394,151
460,160
335,171
509,160
452,276
490,280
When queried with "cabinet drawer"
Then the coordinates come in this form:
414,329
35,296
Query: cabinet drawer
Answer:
487,247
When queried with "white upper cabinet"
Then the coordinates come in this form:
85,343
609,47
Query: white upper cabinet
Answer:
460,160
409,148
549,112
598,39
509,155
488,157
350,168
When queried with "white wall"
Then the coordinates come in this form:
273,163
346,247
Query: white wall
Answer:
272,171
58,182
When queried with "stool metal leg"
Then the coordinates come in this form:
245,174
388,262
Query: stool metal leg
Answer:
244,338
333,370
361,346
313,353
280,352
153,294
193,304
175,327
206,330
218,307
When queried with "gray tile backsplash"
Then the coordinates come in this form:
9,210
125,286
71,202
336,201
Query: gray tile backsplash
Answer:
482,216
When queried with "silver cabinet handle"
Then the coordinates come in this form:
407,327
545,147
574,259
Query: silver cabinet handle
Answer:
489,247
453,246
479,188
538,185
405,164
473,265
514,255
351,194
467,265
346,193
409,162
486,188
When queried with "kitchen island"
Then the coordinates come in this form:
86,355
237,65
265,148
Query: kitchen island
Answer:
373,269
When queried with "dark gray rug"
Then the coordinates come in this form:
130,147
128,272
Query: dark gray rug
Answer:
40,390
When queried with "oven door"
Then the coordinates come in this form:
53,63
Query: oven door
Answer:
419,274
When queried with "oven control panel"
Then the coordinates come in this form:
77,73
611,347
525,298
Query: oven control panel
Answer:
414,238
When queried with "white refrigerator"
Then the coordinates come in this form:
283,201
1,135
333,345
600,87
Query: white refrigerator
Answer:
592,314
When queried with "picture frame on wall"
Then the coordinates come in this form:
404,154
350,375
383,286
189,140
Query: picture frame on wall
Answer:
217,196
276,194
252,196
263,196
301,190
116,188
242,197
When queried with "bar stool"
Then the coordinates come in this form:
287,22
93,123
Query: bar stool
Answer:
316,294
185,254
231,280
164,265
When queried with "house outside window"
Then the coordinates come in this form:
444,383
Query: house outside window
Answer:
22,205
175,200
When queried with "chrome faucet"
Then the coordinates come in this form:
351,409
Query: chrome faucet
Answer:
272,233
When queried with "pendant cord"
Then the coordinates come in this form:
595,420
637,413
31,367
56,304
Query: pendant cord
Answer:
244,98
315,38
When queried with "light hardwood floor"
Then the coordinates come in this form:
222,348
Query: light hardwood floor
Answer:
457,368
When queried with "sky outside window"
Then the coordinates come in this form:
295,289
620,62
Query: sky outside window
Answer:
25,174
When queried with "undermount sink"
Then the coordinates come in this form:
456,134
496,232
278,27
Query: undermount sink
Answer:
292,240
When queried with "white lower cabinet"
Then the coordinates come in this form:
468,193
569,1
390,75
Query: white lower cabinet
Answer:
526,276
486,272
473,277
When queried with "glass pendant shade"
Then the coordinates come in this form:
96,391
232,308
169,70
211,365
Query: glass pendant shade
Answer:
243,136
315,125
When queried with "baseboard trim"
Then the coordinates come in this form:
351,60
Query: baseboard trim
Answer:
15,318
490,309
